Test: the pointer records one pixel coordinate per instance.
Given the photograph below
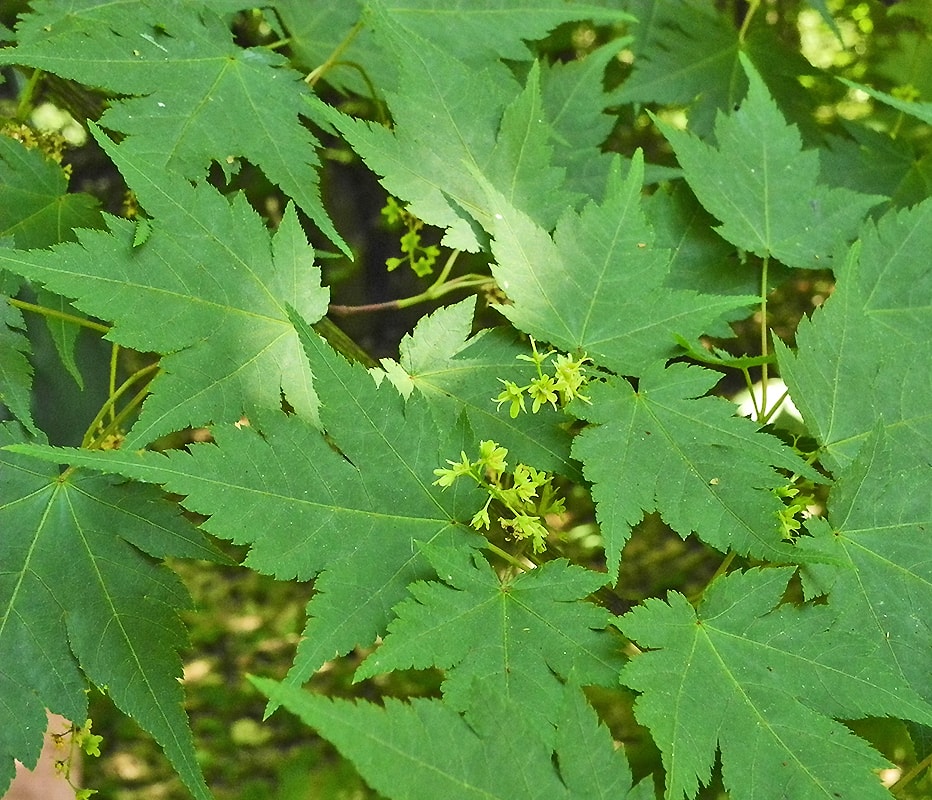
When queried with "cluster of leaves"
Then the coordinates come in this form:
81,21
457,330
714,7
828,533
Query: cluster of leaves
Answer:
511,130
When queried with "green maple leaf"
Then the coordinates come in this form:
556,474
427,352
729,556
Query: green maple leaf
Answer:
574,101
877,539
689,54
598,285
75,592
480,30
426,749
209,288
864,355
193,95
683,51
477,33
316,30
458,374
344,508
763,685
764,187
868,160
36,208
452,122
518,634
665,447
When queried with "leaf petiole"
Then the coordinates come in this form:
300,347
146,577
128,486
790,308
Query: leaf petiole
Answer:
53,314
440,287
94,434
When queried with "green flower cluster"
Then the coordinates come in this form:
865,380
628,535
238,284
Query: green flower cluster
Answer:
421,259
525,496
561,387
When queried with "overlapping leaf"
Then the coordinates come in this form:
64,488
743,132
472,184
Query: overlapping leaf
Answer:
684,50
664,447
208,287
868,160
688,54
426,749
454,122
878,536
599,284
478,32
864,356
194,96
519,635
575,101
349,516
37,210
764,686
77,596
15,369
35,206
764,187
460,375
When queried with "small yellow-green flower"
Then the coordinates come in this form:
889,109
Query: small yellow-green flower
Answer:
513,394
543,390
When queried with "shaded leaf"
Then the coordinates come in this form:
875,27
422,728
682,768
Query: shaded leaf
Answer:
75,592
35,206
15,370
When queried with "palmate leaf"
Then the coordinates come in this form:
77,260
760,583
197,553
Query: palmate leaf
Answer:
599,284
208,287
453,122
459,375
76,595
193,95
864,355
519,635
424,749
878,537
764,685
347,516
764,187
666,448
